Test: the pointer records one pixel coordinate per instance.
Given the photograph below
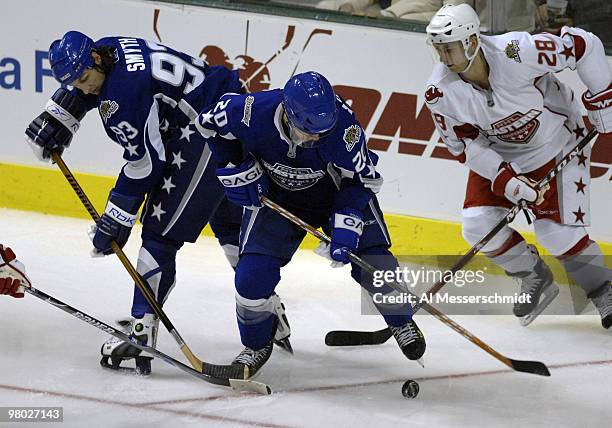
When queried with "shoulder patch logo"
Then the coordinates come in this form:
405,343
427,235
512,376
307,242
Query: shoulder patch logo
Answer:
512,51
432,94
107,109
352,135
248,104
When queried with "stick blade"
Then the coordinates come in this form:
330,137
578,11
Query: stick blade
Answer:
533,367
357,338
241,385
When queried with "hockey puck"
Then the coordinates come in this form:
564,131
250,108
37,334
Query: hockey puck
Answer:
410,389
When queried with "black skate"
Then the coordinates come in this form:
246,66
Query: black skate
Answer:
114,351
283,330
602,299
534,284
252,360
410,340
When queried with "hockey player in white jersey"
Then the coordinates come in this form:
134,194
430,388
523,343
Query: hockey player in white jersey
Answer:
499,108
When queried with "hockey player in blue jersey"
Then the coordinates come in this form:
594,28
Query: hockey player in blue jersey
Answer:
302,147
148,96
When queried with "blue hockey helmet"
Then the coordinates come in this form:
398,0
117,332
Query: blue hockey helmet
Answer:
310,103
71,56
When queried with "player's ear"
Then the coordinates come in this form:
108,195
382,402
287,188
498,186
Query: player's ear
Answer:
473,44
96,57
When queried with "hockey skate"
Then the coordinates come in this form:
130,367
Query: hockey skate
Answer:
252,360
410,340
535,284
602,299
283,330
114,351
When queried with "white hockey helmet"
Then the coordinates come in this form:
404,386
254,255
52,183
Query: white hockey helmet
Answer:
454,23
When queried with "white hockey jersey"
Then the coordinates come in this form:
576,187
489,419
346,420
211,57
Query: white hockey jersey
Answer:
527,115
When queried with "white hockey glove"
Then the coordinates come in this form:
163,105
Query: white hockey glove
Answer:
599,109
12,274
517,187
323,251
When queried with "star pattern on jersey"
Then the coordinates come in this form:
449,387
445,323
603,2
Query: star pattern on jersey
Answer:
371,171
168,186
580,186
132,149
202,126
579,215
582,159
186,133
157,211
178,160
206,118
567,51
578,131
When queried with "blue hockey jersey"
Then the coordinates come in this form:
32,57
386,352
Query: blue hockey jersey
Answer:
149,100
339,172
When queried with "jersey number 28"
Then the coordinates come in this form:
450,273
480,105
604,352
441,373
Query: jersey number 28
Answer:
545,46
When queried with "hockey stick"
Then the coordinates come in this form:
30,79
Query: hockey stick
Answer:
155,19
533,367
356,338
288,39
312,34
224,371
236,384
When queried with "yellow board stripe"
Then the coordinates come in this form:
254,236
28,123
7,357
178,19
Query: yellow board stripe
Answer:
46,190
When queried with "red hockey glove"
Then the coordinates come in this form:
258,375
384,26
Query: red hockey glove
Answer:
12,274
516,187
599,109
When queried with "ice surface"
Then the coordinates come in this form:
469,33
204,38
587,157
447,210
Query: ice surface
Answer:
48,358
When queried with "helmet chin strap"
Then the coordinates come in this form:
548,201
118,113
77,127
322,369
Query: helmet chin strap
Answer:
471,58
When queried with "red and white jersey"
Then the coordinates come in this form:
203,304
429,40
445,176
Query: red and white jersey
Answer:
527,116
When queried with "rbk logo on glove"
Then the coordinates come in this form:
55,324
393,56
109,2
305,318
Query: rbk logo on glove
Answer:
120,216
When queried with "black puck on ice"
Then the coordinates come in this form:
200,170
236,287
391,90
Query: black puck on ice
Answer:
410,389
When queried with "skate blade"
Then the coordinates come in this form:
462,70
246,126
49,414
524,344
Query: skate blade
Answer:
284,344
240,385
549,295
143,368
124,322
136,371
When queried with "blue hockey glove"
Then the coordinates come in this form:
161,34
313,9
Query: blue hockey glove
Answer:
245,183
347,227
54,128
115,224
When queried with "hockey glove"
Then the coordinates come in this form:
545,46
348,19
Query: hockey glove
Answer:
54,128
517,187
347,227
245,183
115,224
12,274
599,109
